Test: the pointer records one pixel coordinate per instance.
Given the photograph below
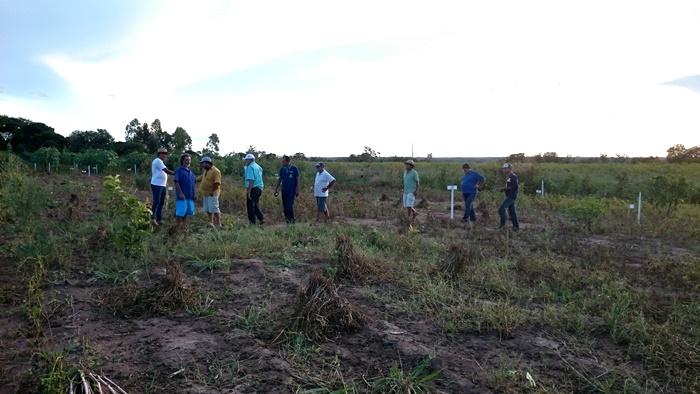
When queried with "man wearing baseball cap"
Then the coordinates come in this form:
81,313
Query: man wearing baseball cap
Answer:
211,189
323,182
411,180
254,186
511,191
159,181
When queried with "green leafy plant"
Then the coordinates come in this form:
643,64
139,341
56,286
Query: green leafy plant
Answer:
400,381
127,216
586,211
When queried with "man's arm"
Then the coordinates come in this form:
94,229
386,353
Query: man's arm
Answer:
249,189
330,185
298,184
279,182
168,171
178,190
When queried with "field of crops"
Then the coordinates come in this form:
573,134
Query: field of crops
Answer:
581,299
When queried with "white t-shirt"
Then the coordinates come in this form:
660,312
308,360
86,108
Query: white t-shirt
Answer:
323,179
158,176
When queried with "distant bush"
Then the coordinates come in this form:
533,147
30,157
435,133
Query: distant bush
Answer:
668,192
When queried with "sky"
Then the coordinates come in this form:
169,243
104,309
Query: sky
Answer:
326,78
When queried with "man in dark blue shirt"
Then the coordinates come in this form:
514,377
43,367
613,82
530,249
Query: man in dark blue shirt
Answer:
185,181
472,181
511,191
289,180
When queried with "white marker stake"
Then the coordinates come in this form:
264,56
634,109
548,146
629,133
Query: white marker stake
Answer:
452,189
639,208
49,167
542,187
134,169
34,166
88,170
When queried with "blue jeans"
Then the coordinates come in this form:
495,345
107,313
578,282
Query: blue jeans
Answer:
158,202
288,204
469,213
509,204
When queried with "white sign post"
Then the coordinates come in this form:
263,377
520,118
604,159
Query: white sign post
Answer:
639,208
88,170
452,189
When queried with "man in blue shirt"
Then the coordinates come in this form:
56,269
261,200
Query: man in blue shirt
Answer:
511,191
289,180
472,181
254,187
185,196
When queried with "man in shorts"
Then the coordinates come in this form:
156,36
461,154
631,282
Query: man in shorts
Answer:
211,190
323,182
185,196
411,180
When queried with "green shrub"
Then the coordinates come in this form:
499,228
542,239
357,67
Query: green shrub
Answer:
128,218
586,211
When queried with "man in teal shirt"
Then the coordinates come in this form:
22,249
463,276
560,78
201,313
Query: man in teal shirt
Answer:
411,180
254,186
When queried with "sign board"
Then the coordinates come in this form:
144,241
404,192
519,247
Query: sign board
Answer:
631,206
452,187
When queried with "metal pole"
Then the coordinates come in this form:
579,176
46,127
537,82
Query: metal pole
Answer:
452,204
88,170
542,187
34,166
49,167
639,208
134,169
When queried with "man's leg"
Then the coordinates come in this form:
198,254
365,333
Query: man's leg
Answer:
472,213
502,211
513,215
285,207
250,209
465,197
256,204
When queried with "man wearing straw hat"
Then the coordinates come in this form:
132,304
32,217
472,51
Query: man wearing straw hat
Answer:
211,189
411,180
159,181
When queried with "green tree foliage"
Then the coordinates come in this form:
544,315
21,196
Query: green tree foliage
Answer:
516,158
212,146
79,141
181,140
27,136
127,218
44,156
679,154
668,192
164,140
369,154
105,160
132,129
124,148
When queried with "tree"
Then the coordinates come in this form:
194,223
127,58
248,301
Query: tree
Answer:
181,140
164,140
46,155
299,156
27,136
212,146
79,141
679,154
516,158
132,129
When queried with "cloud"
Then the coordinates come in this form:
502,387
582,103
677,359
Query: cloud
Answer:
691,82
462,78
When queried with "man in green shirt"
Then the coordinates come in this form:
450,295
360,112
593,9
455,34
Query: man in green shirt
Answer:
411,180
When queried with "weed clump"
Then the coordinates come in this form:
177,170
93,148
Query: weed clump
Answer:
171,293
459,255
350,264
321,313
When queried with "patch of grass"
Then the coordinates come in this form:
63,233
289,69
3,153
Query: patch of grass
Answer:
54,372
201,306
252,318
201,265
33,304
398,380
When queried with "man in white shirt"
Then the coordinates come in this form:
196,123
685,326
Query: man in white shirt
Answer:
324,181
159,181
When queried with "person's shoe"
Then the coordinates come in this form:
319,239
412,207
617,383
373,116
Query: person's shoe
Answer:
464,220
516,228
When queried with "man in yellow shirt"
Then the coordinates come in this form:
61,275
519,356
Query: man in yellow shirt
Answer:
211,189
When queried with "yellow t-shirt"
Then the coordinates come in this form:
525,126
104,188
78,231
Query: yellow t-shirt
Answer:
209,179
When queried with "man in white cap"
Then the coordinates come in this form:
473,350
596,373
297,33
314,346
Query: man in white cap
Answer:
159,181
210,185
323,182
511,191
411,180
254,186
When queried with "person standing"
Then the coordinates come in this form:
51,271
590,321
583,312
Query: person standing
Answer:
159,181
323,182
289,180
411,181
511,192
211,190
185,194
472,181
254,187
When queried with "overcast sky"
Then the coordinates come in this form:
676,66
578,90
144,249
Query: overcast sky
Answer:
454,78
